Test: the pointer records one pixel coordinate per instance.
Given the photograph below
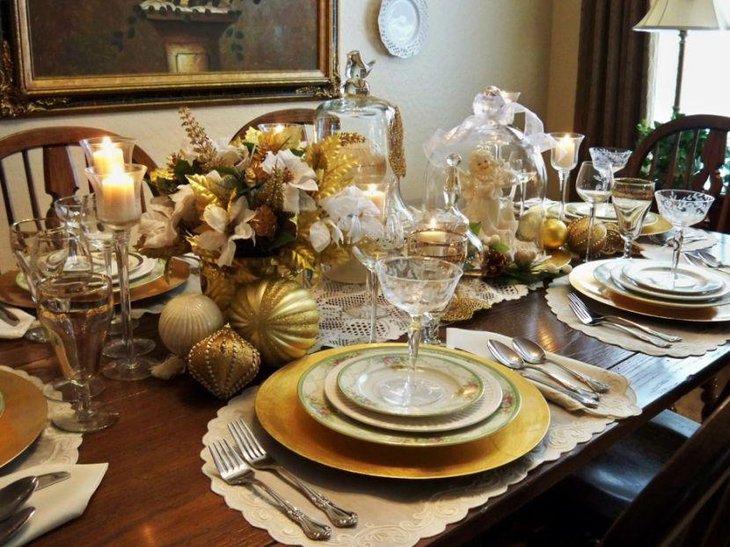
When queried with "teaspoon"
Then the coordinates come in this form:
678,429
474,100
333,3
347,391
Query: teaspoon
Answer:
12,524
507,356
533,353
15,494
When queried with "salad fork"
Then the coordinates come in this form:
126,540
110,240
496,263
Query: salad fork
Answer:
258,458
235,471
587,317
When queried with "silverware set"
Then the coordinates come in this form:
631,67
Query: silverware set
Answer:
7,316
237,468
637,330
705,259
13,515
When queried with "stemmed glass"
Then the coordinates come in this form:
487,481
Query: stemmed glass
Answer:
119,207
564,158
594,187
631,200
417,286
609,159
75,308
682,208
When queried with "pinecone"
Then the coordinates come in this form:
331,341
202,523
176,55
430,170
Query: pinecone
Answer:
264,223
494,263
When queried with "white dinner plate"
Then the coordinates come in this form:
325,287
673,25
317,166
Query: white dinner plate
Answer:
361,382
659,277
487,404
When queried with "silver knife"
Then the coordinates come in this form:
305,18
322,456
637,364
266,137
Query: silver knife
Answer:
52,478
8,316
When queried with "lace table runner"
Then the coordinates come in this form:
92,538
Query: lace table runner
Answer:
344,310
53,445
697,338
392,512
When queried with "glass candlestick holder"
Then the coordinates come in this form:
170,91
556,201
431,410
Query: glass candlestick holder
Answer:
564,158
119,207
108,154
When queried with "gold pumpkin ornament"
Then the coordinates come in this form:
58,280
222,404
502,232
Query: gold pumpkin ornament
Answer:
578,236
223,363
278,317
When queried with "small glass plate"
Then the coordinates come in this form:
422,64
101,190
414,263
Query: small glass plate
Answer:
361,381
659,277
631,285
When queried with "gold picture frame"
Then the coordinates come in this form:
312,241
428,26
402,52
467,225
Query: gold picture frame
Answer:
125,54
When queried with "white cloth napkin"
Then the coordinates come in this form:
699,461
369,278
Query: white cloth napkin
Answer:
8,332
58,503
618,403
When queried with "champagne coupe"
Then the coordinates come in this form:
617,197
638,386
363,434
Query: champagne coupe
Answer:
75,308
432,241
594,187
631,200
564,158
416,285
100,241
383,238
119,207
608,159
682,208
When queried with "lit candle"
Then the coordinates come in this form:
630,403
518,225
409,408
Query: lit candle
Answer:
108,159
565,153
376,196
433,236
119,203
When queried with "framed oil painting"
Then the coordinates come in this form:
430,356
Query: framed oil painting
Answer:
116,54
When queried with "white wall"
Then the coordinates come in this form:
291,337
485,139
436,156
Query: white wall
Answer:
471,44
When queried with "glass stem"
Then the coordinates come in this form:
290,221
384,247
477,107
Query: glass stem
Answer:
121,246
414,339
591,222
628,241
83,404
372,285
562,187
678,242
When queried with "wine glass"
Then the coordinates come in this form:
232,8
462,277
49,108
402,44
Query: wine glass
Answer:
442,243
594,187
76,308
631,200
607,158
100,239
682,208
416,285
564,158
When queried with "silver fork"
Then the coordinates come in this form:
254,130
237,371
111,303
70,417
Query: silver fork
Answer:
258,458
587,317
235,471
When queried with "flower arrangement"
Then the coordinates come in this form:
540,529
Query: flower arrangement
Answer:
265,195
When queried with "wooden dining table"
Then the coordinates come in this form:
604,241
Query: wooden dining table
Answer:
154,492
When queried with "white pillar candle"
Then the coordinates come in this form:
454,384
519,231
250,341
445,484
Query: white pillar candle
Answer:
119,203
433,236
376,196
108,159
565,153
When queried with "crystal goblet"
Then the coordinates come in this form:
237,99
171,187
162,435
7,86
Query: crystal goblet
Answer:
607,158
75,308
682,208
594,187
417,286
631,200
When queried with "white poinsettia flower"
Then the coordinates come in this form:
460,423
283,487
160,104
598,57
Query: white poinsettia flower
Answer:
184,200
226,228
230,155
303,180
323,232
353,214
156,224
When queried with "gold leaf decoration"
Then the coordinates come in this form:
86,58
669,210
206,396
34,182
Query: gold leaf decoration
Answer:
332,164
223,363
279,318
202,144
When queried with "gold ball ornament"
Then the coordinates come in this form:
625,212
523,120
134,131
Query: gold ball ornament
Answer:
187,319
554,233
223,363
578,236
280,318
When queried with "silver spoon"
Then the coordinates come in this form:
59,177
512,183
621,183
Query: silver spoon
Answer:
507,356
12,524
15,494
533,353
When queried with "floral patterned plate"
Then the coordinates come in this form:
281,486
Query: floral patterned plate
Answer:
487,404
361,380
313,398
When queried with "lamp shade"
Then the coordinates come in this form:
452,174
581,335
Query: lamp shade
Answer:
686,15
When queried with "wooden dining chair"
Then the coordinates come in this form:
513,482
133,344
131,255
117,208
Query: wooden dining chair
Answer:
688,153
60,172
303,116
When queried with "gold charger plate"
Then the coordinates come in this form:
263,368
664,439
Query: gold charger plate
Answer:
12,294
583,281
25,416
282,415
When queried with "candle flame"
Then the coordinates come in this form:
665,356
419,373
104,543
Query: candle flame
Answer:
372,188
